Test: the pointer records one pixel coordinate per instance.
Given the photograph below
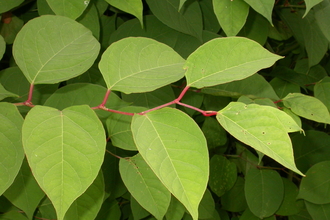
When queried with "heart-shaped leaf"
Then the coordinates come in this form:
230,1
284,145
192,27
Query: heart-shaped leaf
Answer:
65,151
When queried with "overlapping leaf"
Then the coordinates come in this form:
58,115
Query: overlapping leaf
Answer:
262,127
224,60
2,46
11,150
91,198
65,150
307,107
231,15
69,8
264,192
315,186
138,64
188,20
310,4
174,147
145,186
265,7
260,89
4,93
134,7
25,192
6,5
61,50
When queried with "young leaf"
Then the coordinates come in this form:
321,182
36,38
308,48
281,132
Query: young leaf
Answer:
262,127
145,186
174,147
307,107
231,15
188,20
263,191
65,150
265,8
133,7
11,151
25,192
7,5
229,61
315,186
53,56
138,64
86,206
69,8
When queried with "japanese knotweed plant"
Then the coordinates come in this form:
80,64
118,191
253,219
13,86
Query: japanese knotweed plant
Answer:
98,123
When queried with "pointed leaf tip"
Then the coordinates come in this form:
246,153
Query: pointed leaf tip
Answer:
175,148
224,60
261,127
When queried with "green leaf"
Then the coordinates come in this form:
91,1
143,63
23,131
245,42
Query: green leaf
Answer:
52,56
264,192
210,21
10,30
207,206
150,99
310,148
318,211
290,204
91,198
283,88
68,8
145,186
6,5
215,135
322,91
2,47
315,186
25,192
176,210
234,199
308,33
90,20
13,215
133,7
138,211
11,151
308,107
248,215
174,147
310,4
262,127
138,64
4,93
110,211
63,159
84,94
322,14
119,128
260,89
265,8
188,20
223,175
231,15
228,62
